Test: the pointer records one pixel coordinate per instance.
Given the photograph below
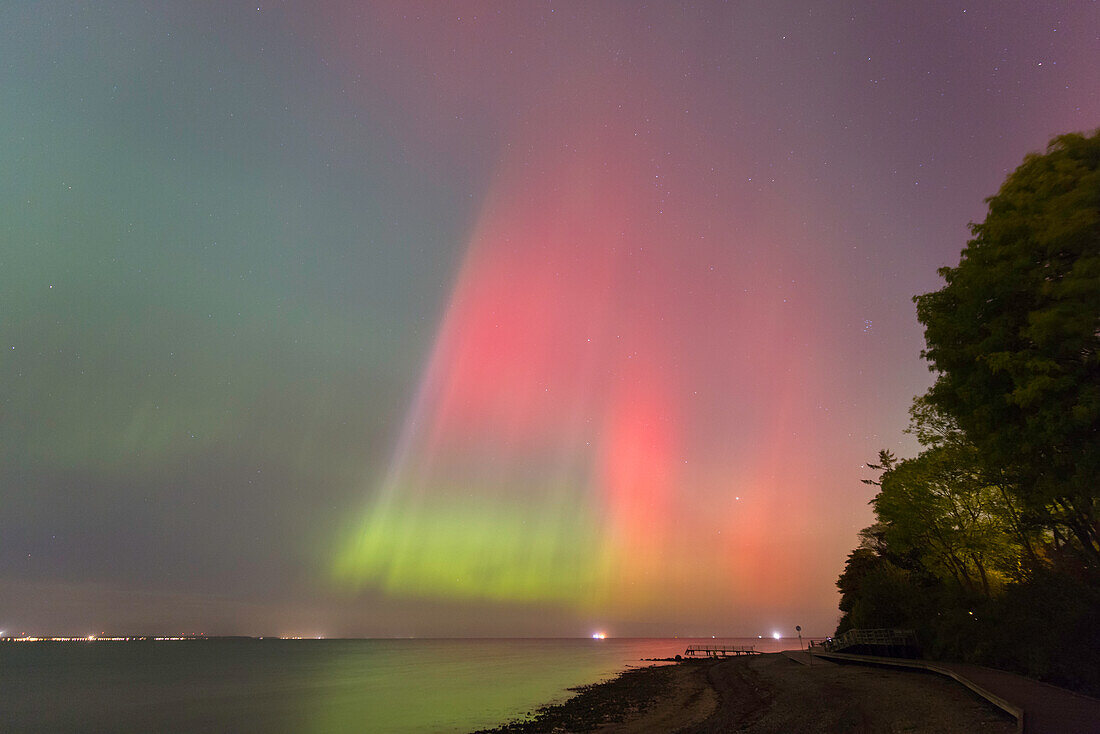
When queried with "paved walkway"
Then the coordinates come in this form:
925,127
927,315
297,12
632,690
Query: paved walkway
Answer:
801,656
1039,708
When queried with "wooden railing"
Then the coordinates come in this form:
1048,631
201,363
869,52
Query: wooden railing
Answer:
873,637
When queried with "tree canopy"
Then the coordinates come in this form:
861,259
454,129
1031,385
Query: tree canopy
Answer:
987,543
1014,337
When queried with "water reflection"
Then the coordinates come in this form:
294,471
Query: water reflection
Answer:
313,686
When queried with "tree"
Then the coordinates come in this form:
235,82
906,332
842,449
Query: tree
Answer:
941,515
876,593
936,509
1014,337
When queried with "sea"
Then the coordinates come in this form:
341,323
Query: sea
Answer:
307,686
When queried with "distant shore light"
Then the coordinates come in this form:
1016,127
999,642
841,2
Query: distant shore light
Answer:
776,635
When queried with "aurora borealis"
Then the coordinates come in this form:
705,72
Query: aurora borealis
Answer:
467,319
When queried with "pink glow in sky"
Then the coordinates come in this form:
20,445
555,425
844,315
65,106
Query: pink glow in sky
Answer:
665,300
625,319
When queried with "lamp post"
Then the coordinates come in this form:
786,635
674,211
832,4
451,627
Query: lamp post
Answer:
798,629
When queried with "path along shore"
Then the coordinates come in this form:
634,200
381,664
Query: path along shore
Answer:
772,693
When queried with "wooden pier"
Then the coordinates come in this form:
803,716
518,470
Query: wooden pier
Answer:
719,651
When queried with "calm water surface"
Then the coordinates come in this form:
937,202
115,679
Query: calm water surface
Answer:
304,685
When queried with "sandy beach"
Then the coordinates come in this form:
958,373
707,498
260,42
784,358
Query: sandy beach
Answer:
768,694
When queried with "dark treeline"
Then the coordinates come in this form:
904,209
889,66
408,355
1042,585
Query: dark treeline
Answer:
987,543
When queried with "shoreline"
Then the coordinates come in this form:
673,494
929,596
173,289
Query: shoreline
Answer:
766,694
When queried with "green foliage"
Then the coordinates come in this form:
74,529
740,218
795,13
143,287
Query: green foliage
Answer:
944,537
1014,337
935,510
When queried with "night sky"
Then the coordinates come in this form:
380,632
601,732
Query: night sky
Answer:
481,319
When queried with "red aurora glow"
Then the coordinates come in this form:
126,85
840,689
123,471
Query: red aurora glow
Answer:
634,347
600,323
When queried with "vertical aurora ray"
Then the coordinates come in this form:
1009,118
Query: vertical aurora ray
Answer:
520,473
609,418
548,455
